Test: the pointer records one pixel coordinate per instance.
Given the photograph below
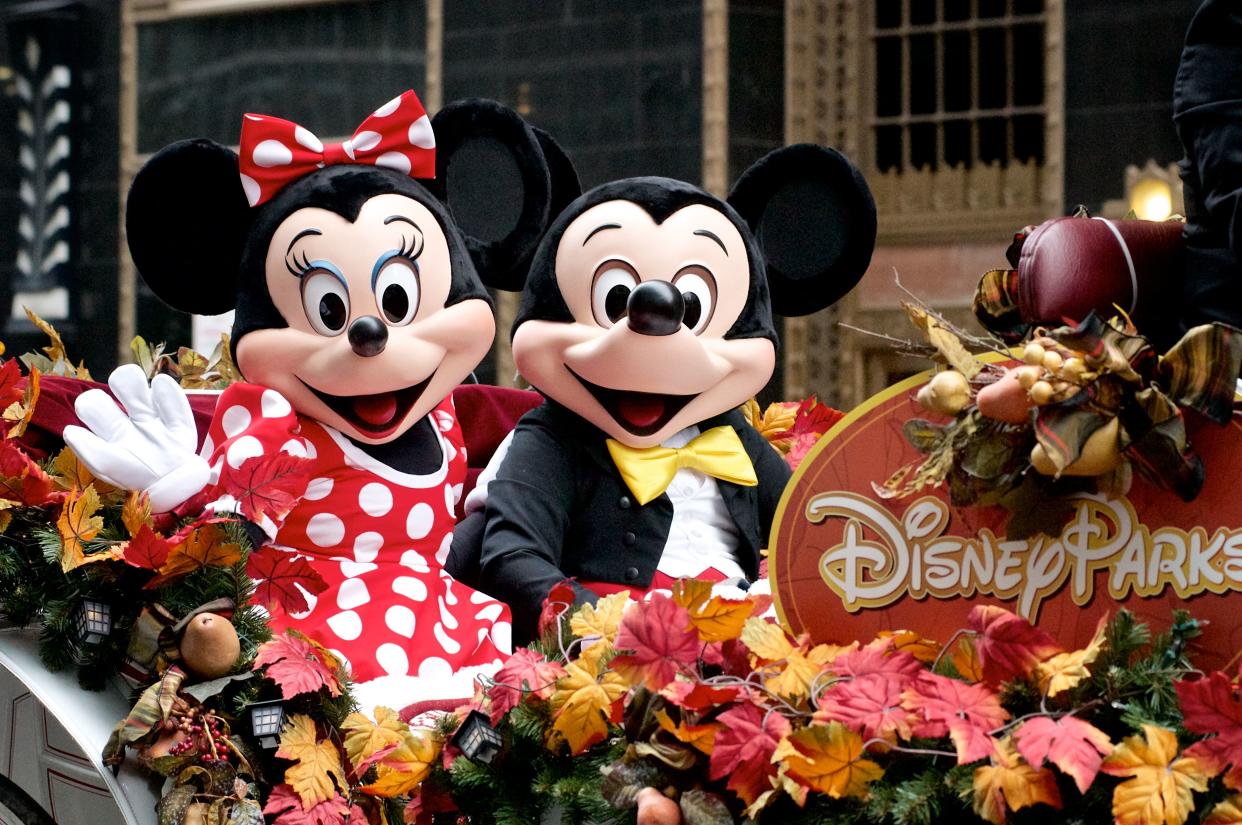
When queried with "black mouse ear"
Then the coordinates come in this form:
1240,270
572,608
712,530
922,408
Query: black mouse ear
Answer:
186,220
814,218
493,175
565,184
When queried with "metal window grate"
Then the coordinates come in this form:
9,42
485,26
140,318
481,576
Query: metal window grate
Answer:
957,83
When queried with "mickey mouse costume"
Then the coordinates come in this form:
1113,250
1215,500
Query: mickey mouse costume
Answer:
645,321
359,309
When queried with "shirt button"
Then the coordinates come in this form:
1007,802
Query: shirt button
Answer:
624,502
631,574
628,539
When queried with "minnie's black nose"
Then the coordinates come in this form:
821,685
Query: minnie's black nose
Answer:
368,336
655,308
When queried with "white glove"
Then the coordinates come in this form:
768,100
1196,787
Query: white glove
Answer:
152,449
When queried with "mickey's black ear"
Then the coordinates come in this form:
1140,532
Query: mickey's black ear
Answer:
814,218
186,219
493,174
565,184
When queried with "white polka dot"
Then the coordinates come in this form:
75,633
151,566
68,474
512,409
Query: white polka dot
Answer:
445,546
366,141
400,620
208,447
392,659
490,613
246,447
307,138
446,616
444,421
350,569
251,187
318,488
352,593
389,107
294,447
415,561
311,452
255,118
502,636
394,160
274,405
311,601
450,645
348,148
410,587
418,523
433,667
375,499
271,153
347,625
325,529
367,546
235,420
421,134
450,503
477,597
451,452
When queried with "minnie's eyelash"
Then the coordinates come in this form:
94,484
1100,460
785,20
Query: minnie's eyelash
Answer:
411,249
298,269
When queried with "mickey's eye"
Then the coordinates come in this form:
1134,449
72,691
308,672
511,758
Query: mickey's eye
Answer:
698,290
614,281
326,302
397,291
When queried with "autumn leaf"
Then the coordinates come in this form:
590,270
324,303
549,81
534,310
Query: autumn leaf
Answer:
657,632
698,697
281,577
77,525
317,763
137,512
11,390
828,758
284,804
1065,670
907,641
524,672
402,770
267,485
19,413
1161,785
146,550
967,713
965,659
205,546
367,742
814,419
1074,746
699,737
556,605
790,669
870,705
69,473
947,344
1008,645
766,640
602,619
296,666
773,422
21,479
878,658
55,351
1009,784
1228,812
716,619
743,749
583,705
1210,707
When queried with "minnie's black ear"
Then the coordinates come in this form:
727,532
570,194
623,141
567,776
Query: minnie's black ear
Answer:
499,183
186,219
814,218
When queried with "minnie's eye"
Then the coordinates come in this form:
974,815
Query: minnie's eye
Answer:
698,291
397,292
614,281
326,302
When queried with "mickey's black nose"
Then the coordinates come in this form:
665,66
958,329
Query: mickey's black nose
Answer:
655,308
368,336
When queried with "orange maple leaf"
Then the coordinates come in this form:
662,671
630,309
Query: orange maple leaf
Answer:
827,758
1161,785
402,770
1008,645
78,524
205,546
715,618
1009,784
583,704
317,763
1074,746
700,737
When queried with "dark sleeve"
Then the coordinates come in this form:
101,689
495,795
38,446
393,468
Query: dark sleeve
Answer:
529,504
773,474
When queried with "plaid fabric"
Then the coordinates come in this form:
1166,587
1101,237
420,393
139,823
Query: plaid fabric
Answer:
142,657
152,709
996,305
1201,370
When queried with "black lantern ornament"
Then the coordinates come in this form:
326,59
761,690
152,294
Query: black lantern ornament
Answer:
477,739
92,622
266,720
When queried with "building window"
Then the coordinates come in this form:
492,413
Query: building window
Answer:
958,83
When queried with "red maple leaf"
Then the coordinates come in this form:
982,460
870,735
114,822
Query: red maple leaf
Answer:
21,479
10,376
284,803
558,603
1074,746
698,697
295,665
1211,706
280,577
147,550
662,640
524,673
267,485
967,713
744,746
1008,645
877,658
870,705
814,417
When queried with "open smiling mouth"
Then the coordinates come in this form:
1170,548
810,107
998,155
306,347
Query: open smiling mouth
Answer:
375,415
642,413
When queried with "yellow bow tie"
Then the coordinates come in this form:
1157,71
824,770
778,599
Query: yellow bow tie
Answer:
718,453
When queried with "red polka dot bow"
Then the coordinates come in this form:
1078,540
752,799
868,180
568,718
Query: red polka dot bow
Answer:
275,152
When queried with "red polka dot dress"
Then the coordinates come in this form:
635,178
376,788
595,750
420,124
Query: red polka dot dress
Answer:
379,537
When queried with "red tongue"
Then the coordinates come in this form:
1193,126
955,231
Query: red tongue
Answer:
376,410
641,410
